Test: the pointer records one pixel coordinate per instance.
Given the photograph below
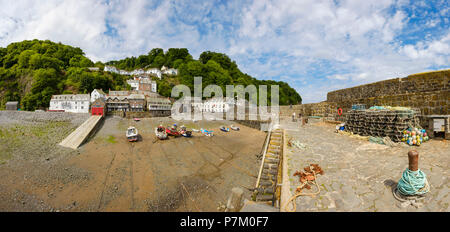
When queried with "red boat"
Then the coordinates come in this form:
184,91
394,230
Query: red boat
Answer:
173,131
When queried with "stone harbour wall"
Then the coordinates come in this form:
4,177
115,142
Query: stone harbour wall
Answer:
429,93
416,83
322,109
428,103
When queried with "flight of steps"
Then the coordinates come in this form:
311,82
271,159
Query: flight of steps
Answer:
77,137
271,169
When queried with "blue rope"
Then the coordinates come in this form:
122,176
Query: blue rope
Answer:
413,183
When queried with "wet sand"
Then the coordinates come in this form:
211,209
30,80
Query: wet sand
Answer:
110,174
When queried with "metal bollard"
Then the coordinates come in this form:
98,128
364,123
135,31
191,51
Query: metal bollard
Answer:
413,157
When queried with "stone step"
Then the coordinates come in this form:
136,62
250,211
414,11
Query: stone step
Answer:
270,166
266,177
264,197
271,161
251,206
265,183
270,171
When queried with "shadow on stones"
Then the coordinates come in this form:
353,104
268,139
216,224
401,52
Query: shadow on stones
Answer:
390,183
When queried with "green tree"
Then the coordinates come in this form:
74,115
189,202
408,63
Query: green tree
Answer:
159,61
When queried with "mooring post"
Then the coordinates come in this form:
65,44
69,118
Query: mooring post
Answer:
234,202
413,157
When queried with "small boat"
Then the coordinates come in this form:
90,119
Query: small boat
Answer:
132,134
195,130
207,132
160,132
172,130
184,132
136,119
224,129
235,128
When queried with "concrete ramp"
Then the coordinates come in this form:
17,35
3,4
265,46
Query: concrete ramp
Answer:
77,137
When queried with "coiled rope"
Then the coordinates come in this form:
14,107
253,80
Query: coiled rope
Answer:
293,198
413,183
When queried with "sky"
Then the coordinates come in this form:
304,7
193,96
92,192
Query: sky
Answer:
316,46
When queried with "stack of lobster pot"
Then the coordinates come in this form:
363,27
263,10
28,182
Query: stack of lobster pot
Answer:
381,122
266,188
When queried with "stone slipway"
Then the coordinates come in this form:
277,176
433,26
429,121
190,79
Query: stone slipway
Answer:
77,137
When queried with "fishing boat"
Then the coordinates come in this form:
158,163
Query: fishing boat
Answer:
184,132
132,134
207,132
195,130
235,128
224,129
172,130
160,132
136,119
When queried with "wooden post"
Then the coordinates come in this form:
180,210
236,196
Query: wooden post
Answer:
234,202
413,157
430,130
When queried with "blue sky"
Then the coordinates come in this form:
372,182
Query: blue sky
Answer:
316,46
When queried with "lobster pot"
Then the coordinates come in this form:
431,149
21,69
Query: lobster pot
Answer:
381,122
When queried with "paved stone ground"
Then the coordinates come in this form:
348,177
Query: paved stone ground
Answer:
359,175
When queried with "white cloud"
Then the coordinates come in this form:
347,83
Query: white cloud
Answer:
338,77
314,45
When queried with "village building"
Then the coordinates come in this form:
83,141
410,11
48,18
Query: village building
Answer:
123,72
143,84
117,103
159,106
169,71
119,93
195,103
218,105
98,107
134,84
154,72
12,105
94,69
137,72
74,103
137,102
96,94
146,93
148,85
111,69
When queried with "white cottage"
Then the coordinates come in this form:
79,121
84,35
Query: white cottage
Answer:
74,103
123,72
195,103
154,72
218,105
134,84
137,72
170,72
96,94
111,69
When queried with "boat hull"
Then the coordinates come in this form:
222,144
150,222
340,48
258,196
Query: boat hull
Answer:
132,134
161,133
172,133
133,139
